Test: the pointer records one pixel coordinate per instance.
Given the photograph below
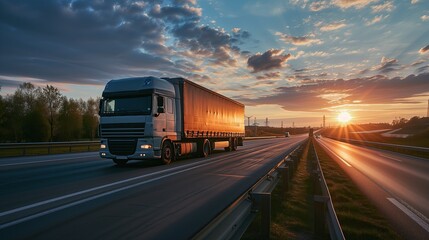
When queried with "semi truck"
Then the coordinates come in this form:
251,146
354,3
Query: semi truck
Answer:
150,118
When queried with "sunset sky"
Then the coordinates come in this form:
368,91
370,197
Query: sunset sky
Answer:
288,60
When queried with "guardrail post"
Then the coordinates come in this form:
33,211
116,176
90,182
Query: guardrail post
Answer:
284,171
263,204
290,165
319,215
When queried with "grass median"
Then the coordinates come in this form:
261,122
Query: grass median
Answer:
358,217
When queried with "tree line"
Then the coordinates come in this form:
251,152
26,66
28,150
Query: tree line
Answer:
36,114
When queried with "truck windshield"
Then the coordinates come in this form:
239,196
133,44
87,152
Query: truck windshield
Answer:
141,105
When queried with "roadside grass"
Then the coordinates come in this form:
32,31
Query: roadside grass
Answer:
34,151
291,218
358,217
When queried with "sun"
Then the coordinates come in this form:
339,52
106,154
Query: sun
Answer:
344,117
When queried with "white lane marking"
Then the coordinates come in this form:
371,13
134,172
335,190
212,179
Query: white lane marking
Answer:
40,214
389,157
336,155
191,165
43,161
418,219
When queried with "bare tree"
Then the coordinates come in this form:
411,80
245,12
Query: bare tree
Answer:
53,99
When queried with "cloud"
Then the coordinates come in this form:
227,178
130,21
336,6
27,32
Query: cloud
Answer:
205,41
387,7
387,65
371,90
333,26
424,50
271,75
424,18
414,1
375,20
176,14
300,41
358,4
90,42
319,6
270,59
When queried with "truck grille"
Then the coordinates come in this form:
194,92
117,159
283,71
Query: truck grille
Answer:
122,147
122,130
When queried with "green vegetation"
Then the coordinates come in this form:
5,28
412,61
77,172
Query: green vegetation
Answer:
358,217
35,114
45,150
291,218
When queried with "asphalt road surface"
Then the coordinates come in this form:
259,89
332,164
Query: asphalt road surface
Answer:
397,184
81,196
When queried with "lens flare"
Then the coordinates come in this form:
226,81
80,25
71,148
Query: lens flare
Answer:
344,117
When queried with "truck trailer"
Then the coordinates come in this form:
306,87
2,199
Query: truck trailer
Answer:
149,118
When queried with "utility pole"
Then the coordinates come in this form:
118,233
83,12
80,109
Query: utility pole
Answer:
324,121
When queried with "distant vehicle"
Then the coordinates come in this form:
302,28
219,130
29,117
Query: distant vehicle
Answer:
153,118
287,134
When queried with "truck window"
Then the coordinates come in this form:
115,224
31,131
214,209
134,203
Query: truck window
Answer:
127,106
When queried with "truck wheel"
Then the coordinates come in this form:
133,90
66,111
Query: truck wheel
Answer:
205,150
120,162
167,154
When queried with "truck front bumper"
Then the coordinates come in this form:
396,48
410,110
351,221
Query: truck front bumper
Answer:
144,150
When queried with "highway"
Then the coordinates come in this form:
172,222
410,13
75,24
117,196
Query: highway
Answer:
81,196
397,184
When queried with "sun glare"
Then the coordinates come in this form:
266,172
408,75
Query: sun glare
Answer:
344,117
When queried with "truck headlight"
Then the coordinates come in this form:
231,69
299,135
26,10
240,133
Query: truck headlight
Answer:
145,146
103,146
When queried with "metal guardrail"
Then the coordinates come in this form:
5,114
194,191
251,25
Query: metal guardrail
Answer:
23,148
235,219
405,147
49,146
324,208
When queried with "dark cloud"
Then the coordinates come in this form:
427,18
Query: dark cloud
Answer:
372,90
270,59
423,50
176,14
206,41
90,42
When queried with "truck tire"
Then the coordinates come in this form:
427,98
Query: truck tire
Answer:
120,162
205,148
167,153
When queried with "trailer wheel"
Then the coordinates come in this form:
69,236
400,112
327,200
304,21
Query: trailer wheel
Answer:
234,144
205,150
167,153
230,147
120,162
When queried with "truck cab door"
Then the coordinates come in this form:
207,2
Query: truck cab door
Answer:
169,104
160,120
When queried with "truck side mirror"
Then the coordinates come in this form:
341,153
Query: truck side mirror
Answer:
100,107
